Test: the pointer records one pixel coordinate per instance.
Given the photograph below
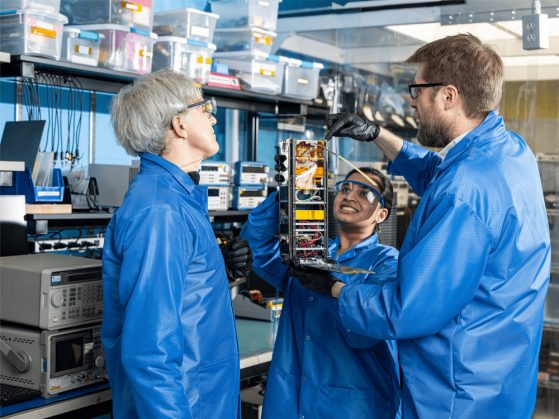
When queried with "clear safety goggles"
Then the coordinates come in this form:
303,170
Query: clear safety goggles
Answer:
209,106
365,192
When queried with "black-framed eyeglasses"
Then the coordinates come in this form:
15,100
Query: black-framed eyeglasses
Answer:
414,88
209,106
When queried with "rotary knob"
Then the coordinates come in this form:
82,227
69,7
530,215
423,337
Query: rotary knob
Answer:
100,362
57,300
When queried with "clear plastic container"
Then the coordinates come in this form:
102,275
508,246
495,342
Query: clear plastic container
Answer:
136,13
193,58
245,40
258,72
80,46
32,32
188,23
300,78
124,48
51,6
240,13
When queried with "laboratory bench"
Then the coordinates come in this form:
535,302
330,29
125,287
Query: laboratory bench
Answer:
255,348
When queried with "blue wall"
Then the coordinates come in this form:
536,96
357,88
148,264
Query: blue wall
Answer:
107,149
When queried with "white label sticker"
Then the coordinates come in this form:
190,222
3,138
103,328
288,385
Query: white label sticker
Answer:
303,81
44,25
83,50
264,3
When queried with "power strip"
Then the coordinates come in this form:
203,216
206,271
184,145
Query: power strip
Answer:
57,245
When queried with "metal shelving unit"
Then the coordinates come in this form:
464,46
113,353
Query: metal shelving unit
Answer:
99,79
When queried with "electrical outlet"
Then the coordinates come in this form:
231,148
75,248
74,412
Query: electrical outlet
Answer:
535,34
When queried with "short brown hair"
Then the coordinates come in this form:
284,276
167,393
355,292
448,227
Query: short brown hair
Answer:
465,62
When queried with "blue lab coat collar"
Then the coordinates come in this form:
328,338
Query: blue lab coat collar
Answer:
157,164
368,243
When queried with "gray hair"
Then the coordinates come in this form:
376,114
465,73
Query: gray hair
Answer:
142,112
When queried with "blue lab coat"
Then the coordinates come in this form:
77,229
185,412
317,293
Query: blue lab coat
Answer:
473,271
319,369
168,326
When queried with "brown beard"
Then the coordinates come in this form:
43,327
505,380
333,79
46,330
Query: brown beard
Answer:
433,135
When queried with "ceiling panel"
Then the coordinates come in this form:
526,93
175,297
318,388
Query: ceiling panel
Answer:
360,38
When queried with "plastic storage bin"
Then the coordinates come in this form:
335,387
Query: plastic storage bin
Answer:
300,78
194,58
31,31
81,47
51,6
22,184
246,40
259,72
187,23
124,48
137,13
240,13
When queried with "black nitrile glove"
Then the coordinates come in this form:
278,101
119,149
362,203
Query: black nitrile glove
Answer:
314,279
351,125
238,258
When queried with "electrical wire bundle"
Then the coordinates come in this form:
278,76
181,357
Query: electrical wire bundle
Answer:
62,93
310,240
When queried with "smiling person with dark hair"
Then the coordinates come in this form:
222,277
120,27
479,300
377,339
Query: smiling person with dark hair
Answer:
319,369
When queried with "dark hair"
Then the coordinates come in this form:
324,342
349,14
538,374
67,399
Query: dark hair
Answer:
386,189
465,62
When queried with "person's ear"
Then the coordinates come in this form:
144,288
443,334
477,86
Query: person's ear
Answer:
451,96
179,126
381,215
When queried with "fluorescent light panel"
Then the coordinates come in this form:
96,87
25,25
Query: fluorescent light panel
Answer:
523,61
428,32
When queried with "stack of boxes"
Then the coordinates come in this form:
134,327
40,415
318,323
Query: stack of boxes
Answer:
31,27
185,42
244,39
123,32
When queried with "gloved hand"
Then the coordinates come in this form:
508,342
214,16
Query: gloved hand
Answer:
351,125
238,258
314,279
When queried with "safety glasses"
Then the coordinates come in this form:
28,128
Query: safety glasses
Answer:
414,88
365,192
209,106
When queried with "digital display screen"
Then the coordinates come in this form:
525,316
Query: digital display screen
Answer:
246,193
254,169
209,169
69,354
213,192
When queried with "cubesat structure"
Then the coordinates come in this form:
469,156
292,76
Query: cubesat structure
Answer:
302,177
